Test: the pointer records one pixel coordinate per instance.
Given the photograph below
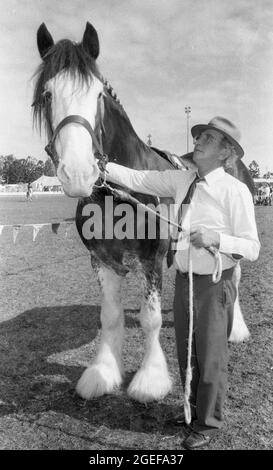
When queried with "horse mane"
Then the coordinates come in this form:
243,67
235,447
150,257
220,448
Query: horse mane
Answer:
241,172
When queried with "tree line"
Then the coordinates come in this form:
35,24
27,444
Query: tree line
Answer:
255,171
24,170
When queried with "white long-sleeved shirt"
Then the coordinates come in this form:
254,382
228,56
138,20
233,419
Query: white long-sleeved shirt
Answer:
220,203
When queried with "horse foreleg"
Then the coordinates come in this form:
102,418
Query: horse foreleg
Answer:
239,330
152,381
105,374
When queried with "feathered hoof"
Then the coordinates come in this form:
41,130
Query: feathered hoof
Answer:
239,335
149,386
239,331
98,380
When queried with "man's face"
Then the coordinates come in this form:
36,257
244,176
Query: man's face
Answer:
207,147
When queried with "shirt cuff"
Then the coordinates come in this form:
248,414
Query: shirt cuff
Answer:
226,244
247,248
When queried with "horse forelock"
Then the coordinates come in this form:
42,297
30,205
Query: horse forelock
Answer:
69,58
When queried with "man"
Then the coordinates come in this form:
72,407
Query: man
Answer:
270,196
266,194
29,192
220,215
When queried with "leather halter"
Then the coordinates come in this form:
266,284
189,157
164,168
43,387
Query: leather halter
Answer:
77,119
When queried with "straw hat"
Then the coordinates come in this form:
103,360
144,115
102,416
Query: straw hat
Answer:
226,128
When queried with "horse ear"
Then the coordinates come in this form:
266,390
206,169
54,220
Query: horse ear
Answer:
90,41
44,40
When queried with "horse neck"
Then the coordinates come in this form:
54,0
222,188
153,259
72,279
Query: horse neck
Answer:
241,172
123,146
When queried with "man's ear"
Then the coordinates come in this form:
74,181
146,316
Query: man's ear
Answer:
224,153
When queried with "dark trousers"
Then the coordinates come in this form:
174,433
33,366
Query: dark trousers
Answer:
212,321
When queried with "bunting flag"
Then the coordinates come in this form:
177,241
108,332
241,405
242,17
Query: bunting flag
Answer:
36,229
55,227
16,230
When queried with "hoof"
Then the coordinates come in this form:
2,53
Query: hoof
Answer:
149,386
240,331
98,380
239,335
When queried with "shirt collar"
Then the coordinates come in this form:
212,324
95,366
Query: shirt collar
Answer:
214,175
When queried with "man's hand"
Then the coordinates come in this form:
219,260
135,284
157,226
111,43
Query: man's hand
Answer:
203,238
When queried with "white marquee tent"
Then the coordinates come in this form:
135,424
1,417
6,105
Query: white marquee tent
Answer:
45,181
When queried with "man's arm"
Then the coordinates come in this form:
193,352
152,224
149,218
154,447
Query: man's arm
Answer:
244,241
157,183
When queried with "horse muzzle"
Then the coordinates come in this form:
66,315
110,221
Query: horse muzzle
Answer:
77,183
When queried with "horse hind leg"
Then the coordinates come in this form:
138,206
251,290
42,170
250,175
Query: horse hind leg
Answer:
105,374
239,331
152,381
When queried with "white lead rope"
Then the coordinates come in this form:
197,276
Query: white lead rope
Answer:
218,268
187,390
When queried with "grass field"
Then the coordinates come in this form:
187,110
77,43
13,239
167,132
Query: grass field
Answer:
49,328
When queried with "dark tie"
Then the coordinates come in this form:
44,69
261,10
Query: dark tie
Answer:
187,199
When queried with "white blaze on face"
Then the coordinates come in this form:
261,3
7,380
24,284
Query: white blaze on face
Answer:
77,168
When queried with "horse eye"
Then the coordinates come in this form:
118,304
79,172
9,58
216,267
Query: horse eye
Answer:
47,95
43,99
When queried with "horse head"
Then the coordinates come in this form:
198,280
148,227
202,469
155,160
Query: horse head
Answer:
67,101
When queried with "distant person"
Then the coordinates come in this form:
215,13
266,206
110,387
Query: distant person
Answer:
266,194
260,195
256,196
29,192
270,195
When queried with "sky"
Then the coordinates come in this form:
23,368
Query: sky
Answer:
215,56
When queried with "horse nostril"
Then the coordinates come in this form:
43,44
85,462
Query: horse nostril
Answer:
65,171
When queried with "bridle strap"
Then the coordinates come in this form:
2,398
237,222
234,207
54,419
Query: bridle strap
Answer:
77,119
